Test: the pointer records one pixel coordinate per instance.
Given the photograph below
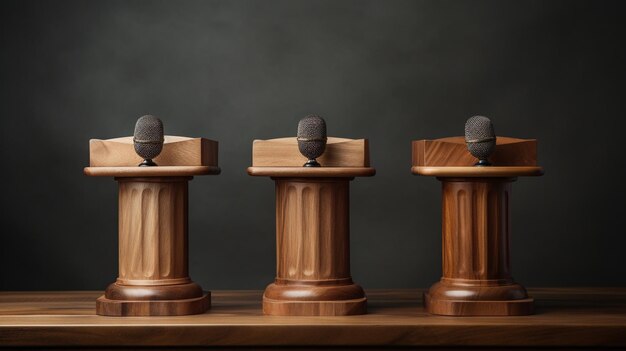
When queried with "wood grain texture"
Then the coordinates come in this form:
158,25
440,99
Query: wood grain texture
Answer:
565,318
476,265
471,171
177,151
283,152
153,265
312,229
134,308
452,152
157,171
313,250
153,231
315,172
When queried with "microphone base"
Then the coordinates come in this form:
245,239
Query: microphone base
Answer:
147,163
312,163
482,163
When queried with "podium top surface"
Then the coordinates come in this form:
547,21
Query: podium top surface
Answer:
478,172
566,318
156,171
312,172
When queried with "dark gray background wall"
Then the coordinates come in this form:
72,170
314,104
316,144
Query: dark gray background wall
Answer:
390,71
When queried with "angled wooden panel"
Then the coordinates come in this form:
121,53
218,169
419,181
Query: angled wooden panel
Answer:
283,152
452,152
177,151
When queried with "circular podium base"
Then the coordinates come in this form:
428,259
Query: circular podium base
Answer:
314,308
108,307
314,300
448,307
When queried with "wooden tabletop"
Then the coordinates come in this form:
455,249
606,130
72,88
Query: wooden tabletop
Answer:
565,317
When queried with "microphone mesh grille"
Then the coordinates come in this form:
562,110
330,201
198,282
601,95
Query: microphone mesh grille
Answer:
312,127
480,137
312,136
148,137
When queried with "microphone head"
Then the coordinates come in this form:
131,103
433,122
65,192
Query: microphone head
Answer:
480,138
148,138
312,138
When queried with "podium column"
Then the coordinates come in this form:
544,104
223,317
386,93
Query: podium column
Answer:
475,235
153,275
476,277
313,242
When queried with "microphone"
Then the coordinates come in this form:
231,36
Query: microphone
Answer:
148,139
480,139
312,139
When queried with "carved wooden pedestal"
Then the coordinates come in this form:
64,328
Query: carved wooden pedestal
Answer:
476,275
313,243
475,228
475,225
153,266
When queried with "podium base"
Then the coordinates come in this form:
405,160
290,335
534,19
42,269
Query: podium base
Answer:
502,300
180,307
314,308
306,300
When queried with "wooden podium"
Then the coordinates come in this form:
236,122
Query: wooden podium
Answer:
153,246
312,227
475,225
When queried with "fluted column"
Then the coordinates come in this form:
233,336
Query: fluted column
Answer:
476,270
312,230
313,250
476,229
153,231
153,270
